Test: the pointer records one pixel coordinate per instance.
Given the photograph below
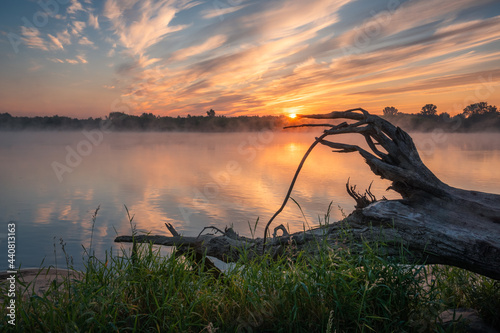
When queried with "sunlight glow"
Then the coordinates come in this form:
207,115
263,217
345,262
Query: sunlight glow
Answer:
292,115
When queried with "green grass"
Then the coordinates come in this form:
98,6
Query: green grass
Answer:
332,292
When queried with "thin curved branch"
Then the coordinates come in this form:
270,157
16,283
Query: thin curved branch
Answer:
318,140
401,163
348,114
345,148
211,227
309,125
372,145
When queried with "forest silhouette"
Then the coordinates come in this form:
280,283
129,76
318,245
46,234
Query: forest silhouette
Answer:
475,117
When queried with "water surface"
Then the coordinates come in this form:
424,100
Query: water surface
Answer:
52,183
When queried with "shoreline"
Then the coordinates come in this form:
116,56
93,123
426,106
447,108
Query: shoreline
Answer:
38,279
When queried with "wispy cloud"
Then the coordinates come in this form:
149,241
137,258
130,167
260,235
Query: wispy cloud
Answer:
31,38
240,68
445,82
82,59
74,7
404,17
77,27
219,11
210,44
93,21
35,66
56,43
260,57
85,41
57,60
64,37
147,25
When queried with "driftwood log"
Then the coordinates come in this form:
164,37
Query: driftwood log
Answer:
437,223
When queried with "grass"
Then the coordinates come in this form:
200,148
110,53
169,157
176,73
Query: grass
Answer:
332,292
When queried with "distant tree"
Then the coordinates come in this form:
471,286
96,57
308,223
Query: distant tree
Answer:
117,115
390,111
444,116
211,113
151,116
481,108
429,110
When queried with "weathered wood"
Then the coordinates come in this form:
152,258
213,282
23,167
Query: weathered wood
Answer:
453,226
437,223
172,230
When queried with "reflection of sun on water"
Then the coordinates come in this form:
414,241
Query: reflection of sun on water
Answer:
292,147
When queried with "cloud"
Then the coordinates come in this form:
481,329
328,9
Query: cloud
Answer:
85,41
31,37
34,67
139,32
74,7
77,27
259,43
57,60
210,44
269,56
56,42
443,82
64,37
82,59
93,21
282,19
72,61
405,17
220,11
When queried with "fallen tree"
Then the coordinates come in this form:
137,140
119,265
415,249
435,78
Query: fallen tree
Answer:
437,223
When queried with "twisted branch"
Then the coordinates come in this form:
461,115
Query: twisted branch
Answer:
400,163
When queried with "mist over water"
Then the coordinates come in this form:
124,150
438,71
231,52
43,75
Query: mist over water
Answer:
51,183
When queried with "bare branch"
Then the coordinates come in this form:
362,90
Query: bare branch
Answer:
211,227
172,230
362,200
309,125
283,229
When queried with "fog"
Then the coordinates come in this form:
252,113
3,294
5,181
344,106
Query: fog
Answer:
52,182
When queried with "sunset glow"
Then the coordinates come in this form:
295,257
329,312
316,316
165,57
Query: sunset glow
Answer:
246,57
292,115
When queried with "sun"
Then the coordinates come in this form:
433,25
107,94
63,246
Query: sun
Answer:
292,115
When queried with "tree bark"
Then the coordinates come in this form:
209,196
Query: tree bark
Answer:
436,222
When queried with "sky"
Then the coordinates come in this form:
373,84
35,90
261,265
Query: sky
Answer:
82,58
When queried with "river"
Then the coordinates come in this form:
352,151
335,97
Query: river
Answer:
53,182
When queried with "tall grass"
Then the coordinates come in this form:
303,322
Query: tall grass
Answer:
334,291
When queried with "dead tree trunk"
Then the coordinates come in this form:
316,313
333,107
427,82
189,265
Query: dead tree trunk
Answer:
437,223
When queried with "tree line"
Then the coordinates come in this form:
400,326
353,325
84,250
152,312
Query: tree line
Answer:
475,117
119,121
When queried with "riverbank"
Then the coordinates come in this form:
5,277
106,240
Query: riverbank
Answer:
37,281
333,292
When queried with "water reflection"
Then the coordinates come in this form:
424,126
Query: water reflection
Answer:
192,180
